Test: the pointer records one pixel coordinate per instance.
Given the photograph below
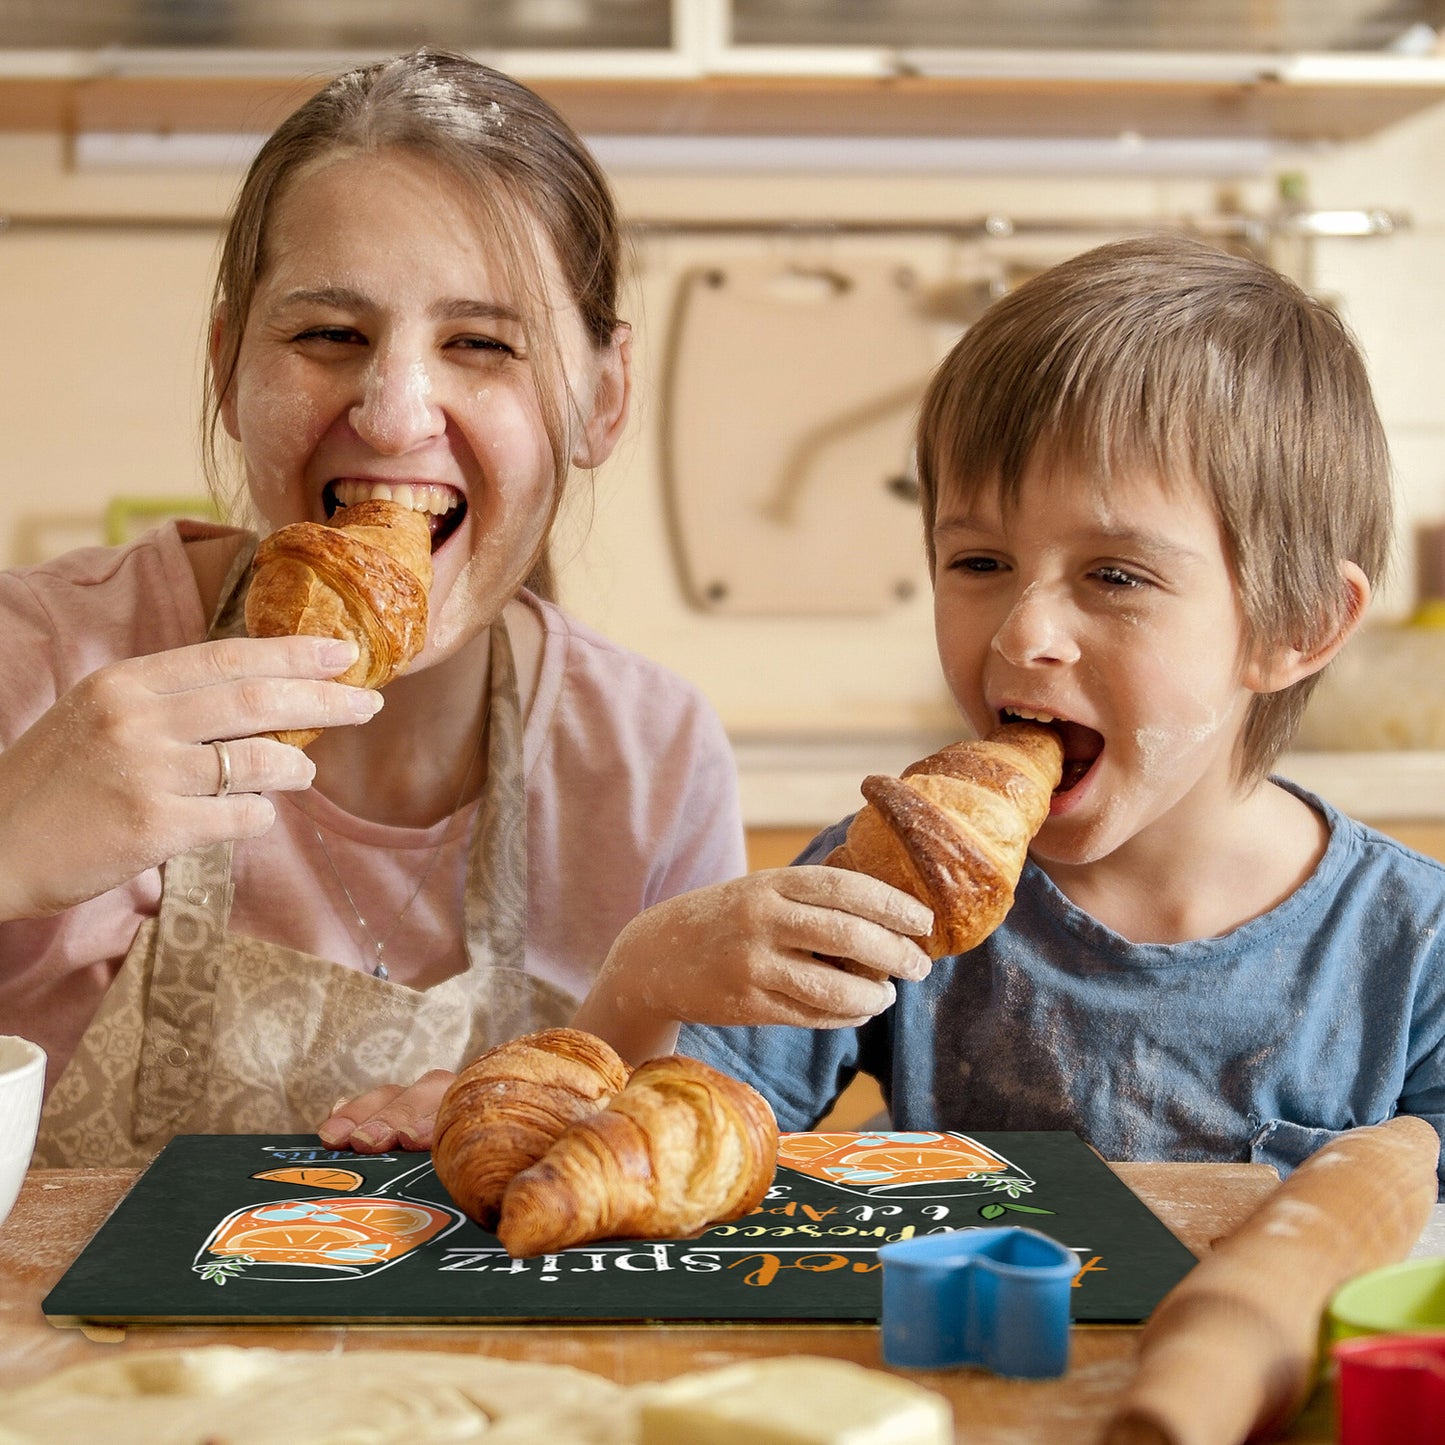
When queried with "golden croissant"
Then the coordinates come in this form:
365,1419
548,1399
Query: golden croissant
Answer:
364,575
510,1105
955,829
681,1147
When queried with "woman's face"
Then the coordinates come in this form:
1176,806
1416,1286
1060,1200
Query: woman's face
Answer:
385,356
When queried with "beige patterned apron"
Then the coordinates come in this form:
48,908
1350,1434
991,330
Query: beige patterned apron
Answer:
205,1031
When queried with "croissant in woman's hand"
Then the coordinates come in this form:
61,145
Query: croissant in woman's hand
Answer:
365,575
510,1105
681,1147
955,829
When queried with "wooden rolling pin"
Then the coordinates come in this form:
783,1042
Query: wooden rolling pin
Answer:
1230,1353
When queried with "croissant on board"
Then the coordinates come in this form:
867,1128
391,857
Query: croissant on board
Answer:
510,1105
681,1147
955,829
363,575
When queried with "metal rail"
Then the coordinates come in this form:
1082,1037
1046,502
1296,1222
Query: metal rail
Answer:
1223,226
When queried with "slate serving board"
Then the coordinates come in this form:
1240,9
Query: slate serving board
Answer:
375,1238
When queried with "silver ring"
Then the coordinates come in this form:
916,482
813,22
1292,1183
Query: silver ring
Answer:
223,756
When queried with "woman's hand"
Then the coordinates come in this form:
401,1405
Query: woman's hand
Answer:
813,946
395,1116
120,774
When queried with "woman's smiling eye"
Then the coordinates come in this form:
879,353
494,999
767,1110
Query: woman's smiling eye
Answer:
340,335
485,344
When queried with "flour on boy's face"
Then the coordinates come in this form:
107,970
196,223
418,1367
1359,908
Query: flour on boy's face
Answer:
1110,611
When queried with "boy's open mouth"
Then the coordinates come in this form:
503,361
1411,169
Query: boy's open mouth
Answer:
1082,745
444,506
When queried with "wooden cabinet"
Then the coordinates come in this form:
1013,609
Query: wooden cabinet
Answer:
1424,837
989,106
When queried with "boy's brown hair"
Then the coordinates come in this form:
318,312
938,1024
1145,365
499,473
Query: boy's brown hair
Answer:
1167,357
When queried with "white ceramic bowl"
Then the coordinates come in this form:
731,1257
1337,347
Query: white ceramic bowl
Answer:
22,1081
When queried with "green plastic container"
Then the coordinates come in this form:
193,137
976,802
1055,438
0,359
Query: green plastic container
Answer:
1400,1299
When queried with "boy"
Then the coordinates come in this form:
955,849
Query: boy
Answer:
1156,499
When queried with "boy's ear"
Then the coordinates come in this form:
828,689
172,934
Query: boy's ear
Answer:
228,402
1277,668
611,396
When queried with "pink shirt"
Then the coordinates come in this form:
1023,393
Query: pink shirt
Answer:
631,798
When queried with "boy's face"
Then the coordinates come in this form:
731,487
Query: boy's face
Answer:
1113,609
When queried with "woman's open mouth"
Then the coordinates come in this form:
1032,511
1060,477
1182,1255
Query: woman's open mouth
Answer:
444,506
1082,745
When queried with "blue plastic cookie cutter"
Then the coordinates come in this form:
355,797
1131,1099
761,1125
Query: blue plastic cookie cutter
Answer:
998,1298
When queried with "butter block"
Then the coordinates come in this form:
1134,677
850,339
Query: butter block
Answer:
793,1400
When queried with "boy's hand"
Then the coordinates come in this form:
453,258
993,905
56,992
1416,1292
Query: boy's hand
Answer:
813,946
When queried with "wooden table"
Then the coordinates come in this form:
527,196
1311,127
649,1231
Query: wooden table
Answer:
59,1210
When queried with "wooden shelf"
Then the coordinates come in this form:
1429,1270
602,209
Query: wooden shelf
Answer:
162,105
1280,109
991,107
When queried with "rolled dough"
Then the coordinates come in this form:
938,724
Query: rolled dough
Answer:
228,1395
286,1397
793,1400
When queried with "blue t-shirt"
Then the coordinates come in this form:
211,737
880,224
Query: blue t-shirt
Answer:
1261,1045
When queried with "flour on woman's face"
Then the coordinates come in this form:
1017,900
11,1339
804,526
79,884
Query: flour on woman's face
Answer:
385,354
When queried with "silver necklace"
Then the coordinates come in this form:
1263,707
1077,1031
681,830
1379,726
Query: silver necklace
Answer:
378,945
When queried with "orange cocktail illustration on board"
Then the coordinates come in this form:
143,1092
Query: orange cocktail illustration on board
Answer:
327,1237
885,1163
313,1178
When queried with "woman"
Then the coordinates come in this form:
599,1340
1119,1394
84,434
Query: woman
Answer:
210,930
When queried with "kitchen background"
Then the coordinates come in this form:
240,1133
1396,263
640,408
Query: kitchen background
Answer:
822,194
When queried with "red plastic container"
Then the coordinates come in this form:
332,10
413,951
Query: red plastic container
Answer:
1390,1389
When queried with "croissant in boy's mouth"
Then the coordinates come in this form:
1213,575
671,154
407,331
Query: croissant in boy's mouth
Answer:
955,829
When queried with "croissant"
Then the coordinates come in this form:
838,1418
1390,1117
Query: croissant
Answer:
364,575
955,829
681,1147
508,1106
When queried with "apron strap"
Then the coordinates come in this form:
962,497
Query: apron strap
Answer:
176,1045
195,907
229,618
496,892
